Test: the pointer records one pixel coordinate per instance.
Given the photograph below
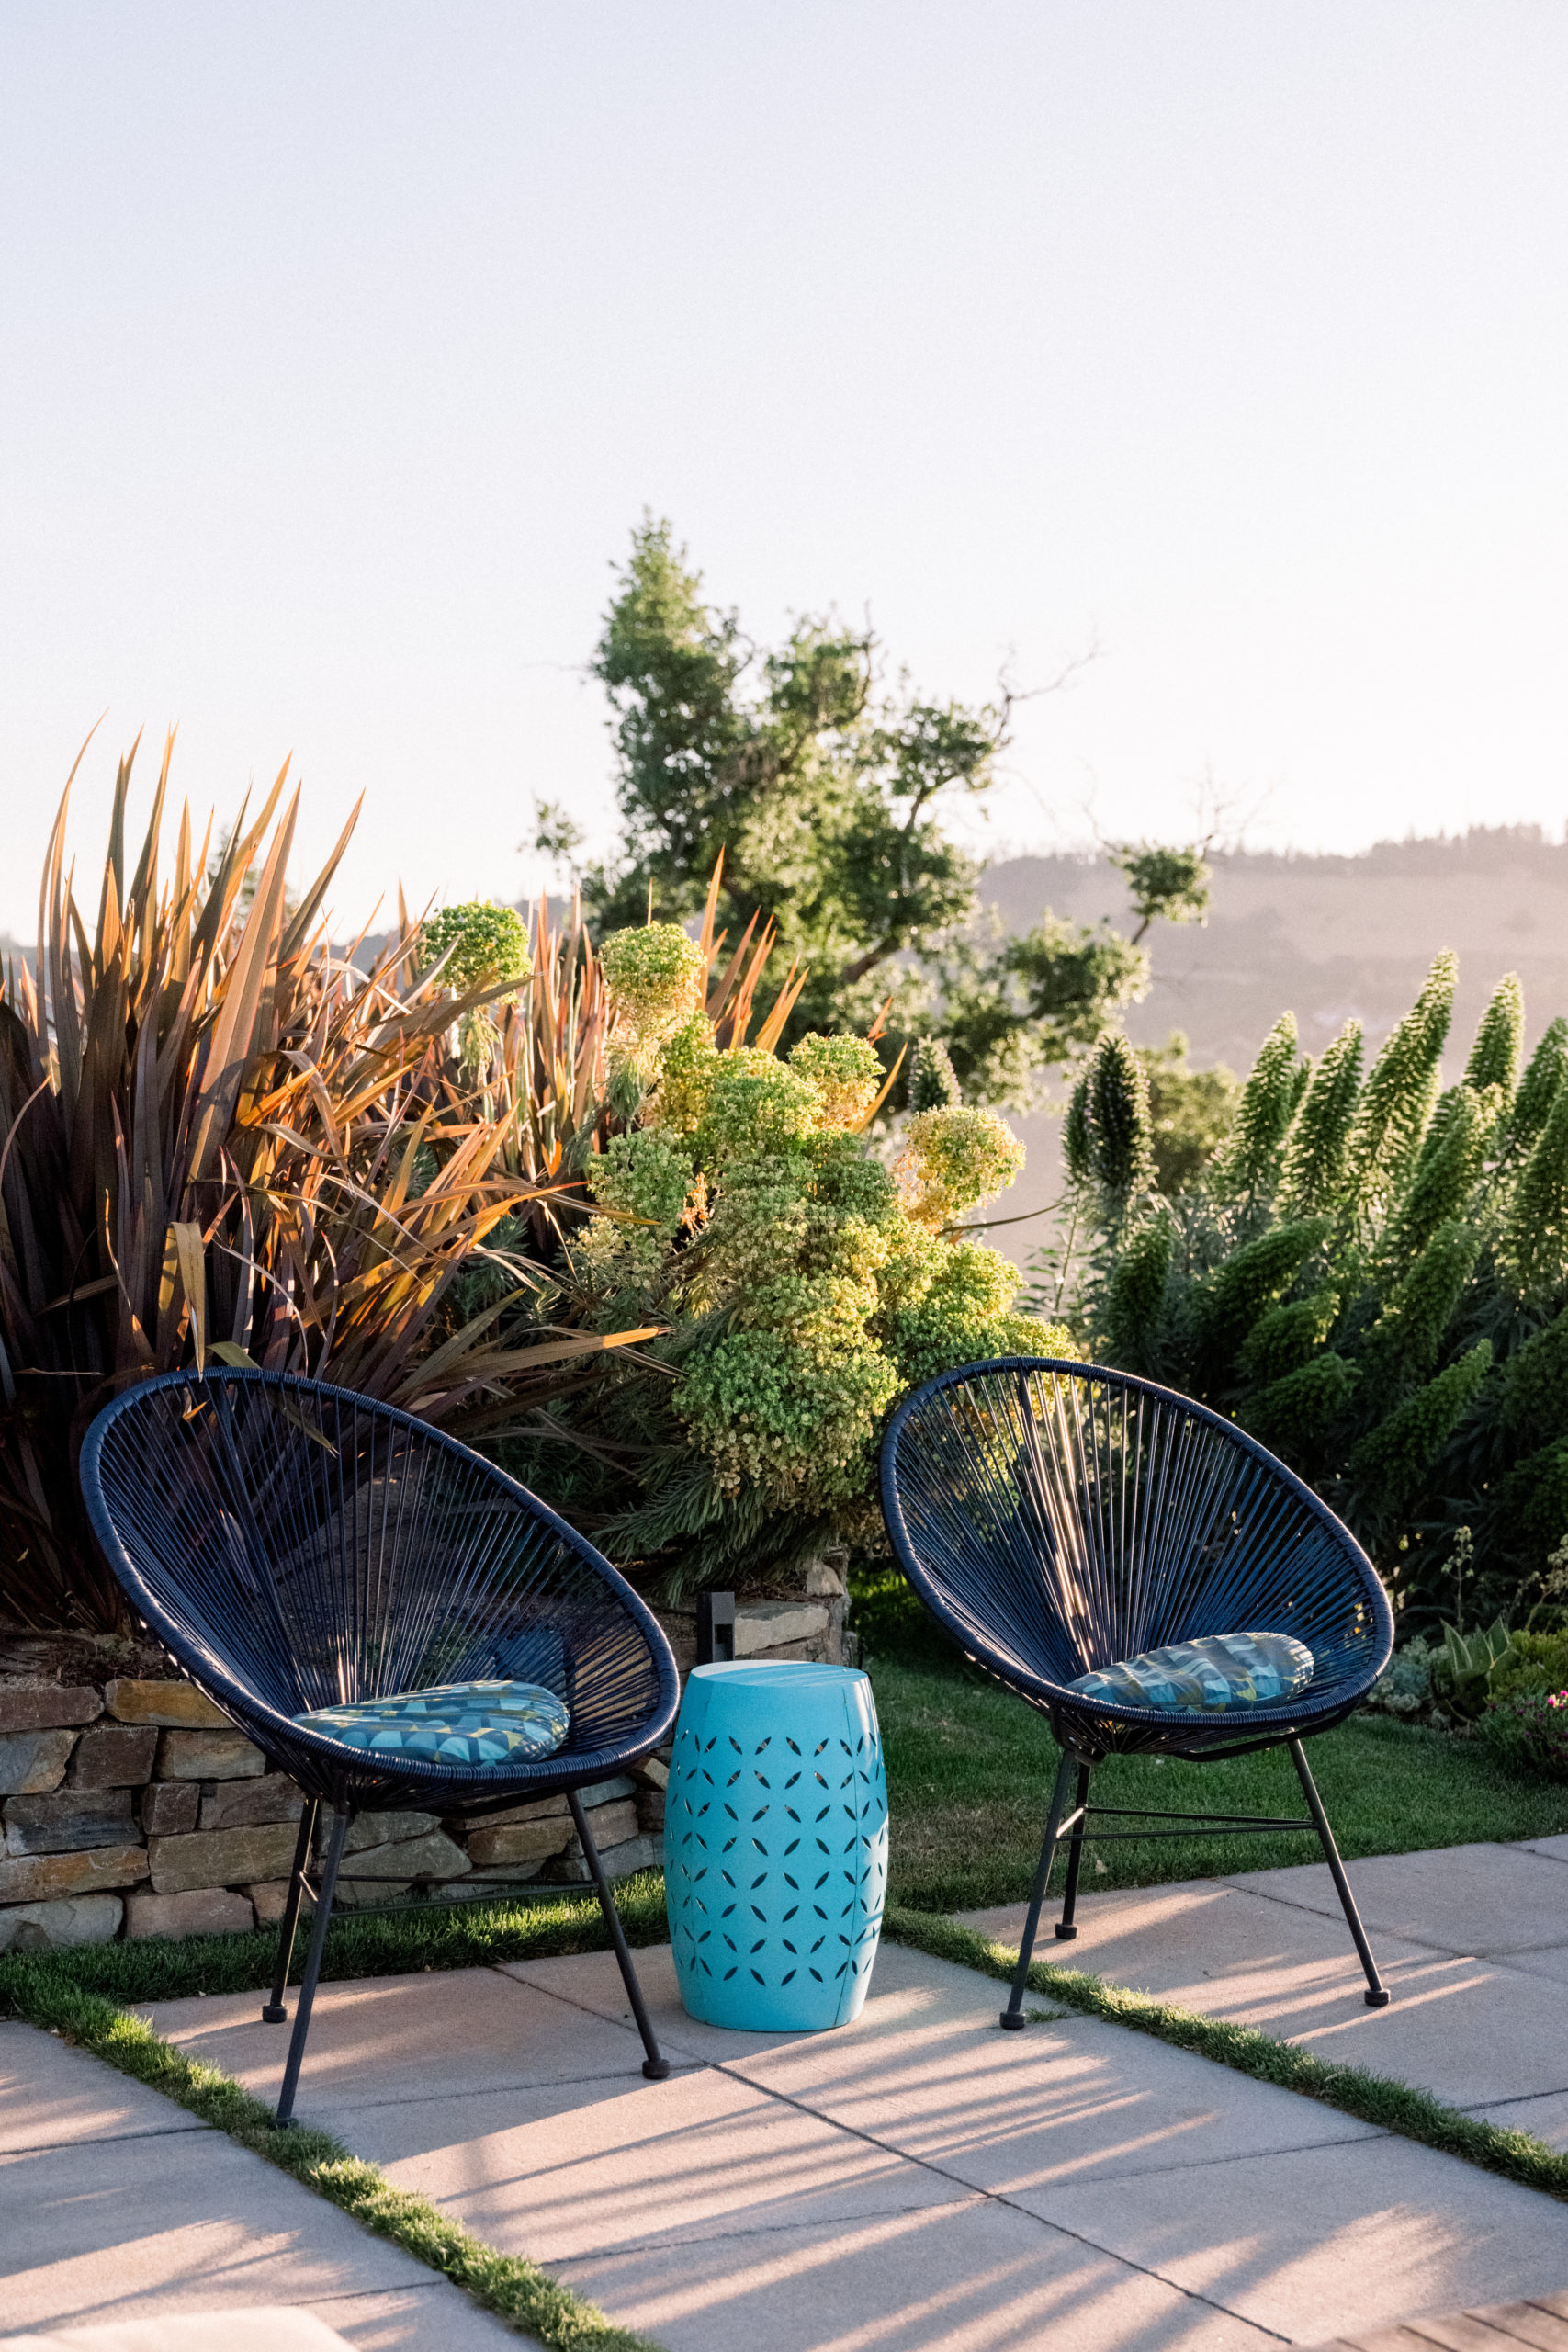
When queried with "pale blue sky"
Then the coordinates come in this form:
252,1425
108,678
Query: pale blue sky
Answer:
342,347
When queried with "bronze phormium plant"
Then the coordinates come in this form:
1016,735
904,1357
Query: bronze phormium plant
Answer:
217,1135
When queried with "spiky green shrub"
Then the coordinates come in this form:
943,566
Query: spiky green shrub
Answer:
1317,1149
1249,1158
933,1082
1372,1278
1117,1124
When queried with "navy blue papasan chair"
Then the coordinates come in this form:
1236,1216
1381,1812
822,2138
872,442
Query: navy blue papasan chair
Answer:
1144,1574
449,1642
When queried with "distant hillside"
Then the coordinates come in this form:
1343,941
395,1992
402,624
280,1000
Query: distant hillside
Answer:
1323,937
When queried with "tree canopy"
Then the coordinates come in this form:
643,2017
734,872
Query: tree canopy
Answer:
826,792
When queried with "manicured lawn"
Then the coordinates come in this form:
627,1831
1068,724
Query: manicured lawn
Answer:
970,1769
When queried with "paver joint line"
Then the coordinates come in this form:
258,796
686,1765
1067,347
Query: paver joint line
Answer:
993,2197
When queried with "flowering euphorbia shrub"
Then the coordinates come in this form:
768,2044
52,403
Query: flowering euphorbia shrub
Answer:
803,1285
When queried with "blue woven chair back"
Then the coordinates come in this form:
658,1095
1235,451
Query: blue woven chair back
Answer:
295,1546
1058,1517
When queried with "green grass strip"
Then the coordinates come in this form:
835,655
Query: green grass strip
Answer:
1372,2099
393,1943
510,2285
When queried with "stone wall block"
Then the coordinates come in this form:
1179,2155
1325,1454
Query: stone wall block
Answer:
178,1705
220,1857
610,1825
651,1810
542,1809
233,1804
69,1821
55,1926
47,1877
113,1755
376,1829
200,1911
33,1762
519,1841
47,1710
224,1754
631,1855
169,1808
770,1624
389,1871
269,1899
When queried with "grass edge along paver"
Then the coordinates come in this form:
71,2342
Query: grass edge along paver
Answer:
58,1993
511,2286
1379,2099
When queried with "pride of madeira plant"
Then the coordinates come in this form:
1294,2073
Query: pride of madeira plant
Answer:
1370,1275
801,1282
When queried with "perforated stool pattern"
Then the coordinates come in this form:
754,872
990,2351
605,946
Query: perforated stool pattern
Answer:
775,1845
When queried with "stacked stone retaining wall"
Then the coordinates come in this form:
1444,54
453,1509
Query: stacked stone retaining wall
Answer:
139,1810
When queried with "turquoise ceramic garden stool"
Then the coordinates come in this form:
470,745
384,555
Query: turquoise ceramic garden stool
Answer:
775,1845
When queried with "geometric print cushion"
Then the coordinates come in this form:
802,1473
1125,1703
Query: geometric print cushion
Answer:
471,1724
1206,1676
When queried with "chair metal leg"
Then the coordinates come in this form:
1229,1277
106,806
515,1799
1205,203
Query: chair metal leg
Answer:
1066,1930
1376,1994
276,2011
312,1965
654,2066
1012,2016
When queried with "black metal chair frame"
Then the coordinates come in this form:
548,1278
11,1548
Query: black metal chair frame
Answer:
141,1511
1033,1548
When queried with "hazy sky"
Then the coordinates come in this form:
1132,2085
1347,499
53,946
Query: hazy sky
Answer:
342,345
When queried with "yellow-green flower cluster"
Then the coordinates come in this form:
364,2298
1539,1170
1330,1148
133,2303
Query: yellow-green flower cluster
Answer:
751,1214
955,1158
657,979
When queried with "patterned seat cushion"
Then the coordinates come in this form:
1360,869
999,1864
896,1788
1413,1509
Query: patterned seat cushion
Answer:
467,1725
1211,1676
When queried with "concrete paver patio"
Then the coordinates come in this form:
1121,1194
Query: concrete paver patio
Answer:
917,2180
116,2204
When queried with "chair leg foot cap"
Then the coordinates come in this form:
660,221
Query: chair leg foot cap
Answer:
1378,2000
655,2069
1065,1934
274,2013
1014,2020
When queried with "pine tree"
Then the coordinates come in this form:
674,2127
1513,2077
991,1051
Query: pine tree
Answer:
1317,1152
1121,1144
1247,1160
1539,1086
932,1085
1499,1041
1401,1092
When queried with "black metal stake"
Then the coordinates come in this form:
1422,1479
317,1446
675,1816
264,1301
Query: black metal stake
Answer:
716,1629
655,2067
276,2011
1376,1995
312,1966
1012,2016
1066,1930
